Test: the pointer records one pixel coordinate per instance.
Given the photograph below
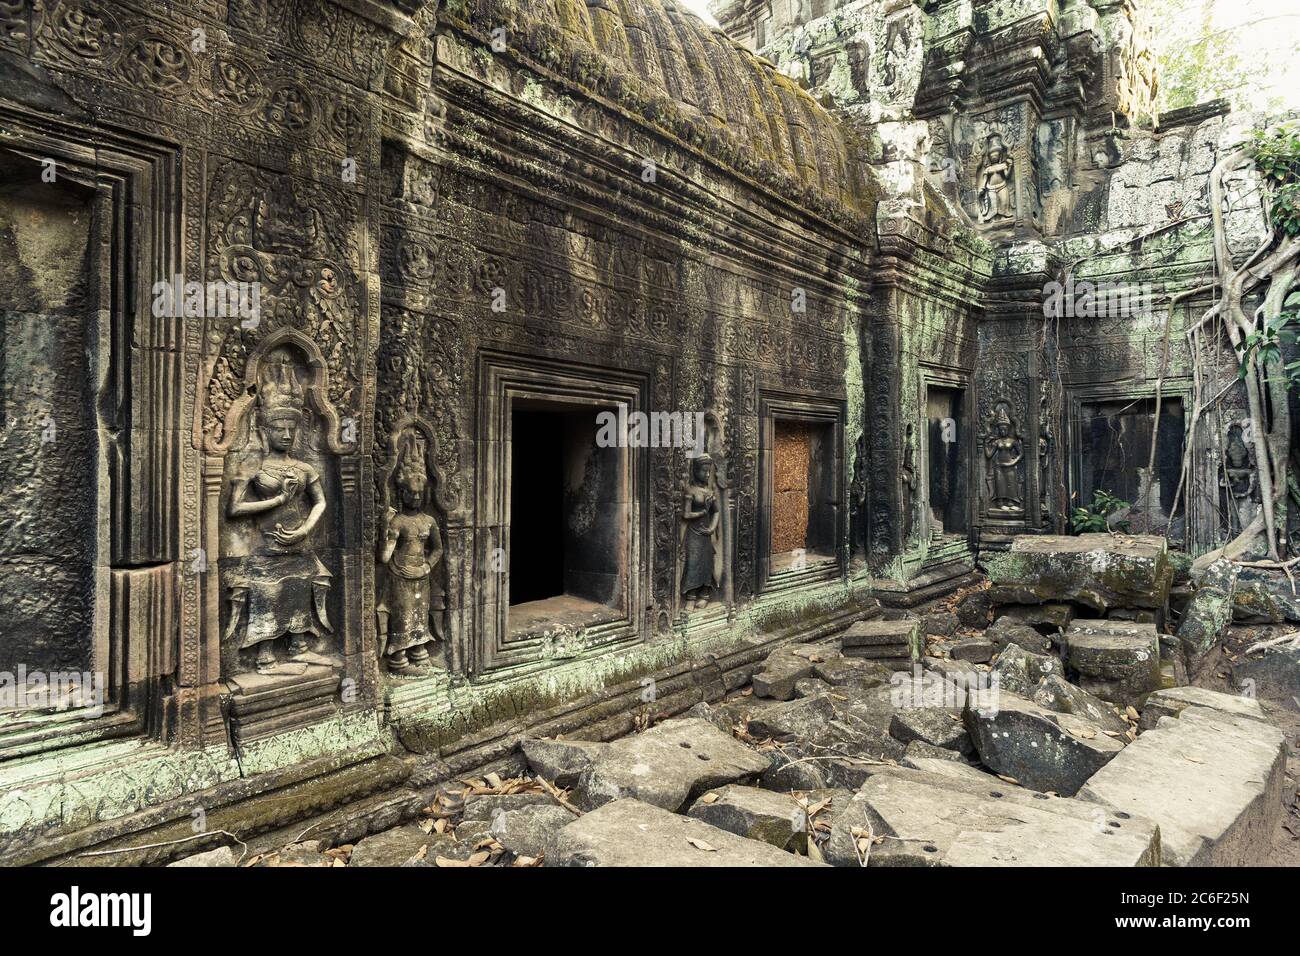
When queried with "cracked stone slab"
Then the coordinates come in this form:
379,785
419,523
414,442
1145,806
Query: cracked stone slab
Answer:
1174,700
1039,748
1212,780
1101,571
1118,661
752,813
632,833
668,765
932,819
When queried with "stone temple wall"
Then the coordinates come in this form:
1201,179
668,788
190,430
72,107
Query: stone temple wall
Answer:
310,308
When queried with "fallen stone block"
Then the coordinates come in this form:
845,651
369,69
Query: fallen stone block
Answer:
1208,614
919,752
668,765
794,768
221,856
973,651
1172,702
560,762
1262,596
632,833
1048,619
932,725
940,624
390,848
1006,632
802,718
840,671
1057,694
1273,673
752,813
485,806
530,831
810,687
787,665
960,673
1038,748
1116,660
938,819
1212,781
892,643
1101,571
973,609
1019,671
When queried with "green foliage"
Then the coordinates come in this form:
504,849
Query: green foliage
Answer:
1276,153
1266,347
1096,517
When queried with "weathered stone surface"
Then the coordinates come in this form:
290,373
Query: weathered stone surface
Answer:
804,718
1274,673
561,762
1212,781
794,768
752,813
1007,631
940,624
1098,570
1173,701
484,807
632,833
973,610
306,853
894,643
1264,597
935,819
840,671
1018,671
932,725
1040,749
1208,613
786,665
1047,618
1057,694
810,687
221,856
391,847
973,651
919,752
1116,660
529,831
668,765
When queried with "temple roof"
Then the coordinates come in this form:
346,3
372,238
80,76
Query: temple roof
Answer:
661,52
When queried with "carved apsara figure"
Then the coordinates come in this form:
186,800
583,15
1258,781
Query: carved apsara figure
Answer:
281,584
996,182
1004,452
411,611
702,547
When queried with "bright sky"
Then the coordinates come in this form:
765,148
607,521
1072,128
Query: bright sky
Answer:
700,9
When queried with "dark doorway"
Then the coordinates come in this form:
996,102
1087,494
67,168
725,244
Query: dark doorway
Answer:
946,460
1115,449
569,517
536,517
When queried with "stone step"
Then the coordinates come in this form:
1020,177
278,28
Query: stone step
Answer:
1211,780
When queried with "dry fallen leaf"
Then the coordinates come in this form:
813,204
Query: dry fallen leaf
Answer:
1131,712
701,845
1008,779
709,798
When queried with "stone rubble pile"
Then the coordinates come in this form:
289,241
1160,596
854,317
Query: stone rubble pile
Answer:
1053,732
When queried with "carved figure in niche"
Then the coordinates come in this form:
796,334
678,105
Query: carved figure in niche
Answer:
281,584
414,601
996,182
909,481
1004,452
702,547
858,501
1239,475
897,40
